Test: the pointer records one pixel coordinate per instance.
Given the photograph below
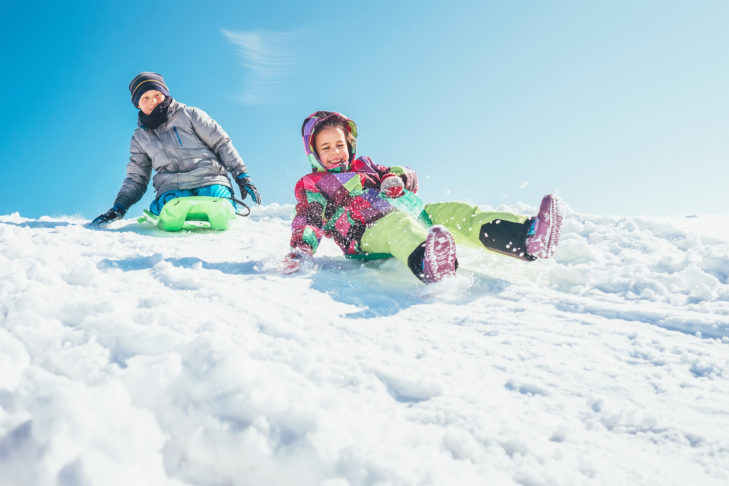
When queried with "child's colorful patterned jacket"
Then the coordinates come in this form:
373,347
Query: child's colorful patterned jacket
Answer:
341,205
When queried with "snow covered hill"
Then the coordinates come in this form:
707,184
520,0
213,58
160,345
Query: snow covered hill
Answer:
130,356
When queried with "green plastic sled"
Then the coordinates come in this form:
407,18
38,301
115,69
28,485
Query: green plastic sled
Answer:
192,212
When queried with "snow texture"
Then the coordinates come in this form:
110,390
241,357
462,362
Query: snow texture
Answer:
130,356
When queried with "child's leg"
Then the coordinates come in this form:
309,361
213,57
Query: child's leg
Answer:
166,197
503,233
430,255
396,233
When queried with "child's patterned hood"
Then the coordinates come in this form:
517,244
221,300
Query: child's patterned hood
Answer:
309,127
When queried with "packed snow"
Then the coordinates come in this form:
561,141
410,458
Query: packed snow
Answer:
131,356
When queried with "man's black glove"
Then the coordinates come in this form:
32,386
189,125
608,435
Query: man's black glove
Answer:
246,186
113,214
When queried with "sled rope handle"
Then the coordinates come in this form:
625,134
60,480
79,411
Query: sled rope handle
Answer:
238,201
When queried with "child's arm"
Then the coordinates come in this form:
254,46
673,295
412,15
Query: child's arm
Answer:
374,174
317,194
370,173
305,235
306,228
139,171
306,231
215,137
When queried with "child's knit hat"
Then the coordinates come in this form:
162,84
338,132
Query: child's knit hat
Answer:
144,82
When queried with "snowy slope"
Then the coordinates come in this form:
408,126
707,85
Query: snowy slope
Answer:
135,357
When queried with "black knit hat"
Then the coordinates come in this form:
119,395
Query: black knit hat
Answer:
143,82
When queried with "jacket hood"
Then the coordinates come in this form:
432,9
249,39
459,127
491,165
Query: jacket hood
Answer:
309,127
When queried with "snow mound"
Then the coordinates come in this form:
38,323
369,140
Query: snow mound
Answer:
133,356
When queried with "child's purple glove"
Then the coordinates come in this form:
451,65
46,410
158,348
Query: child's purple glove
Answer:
392,185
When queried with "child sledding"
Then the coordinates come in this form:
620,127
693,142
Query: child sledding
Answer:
190,155
372,211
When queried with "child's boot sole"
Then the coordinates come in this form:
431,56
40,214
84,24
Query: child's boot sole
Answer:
548,228
439,260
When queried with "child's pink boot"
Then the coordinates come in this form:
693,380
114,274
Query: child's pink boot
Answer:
543,237
439,260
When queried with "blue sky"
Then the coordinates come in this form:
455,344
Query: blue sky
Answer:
621,107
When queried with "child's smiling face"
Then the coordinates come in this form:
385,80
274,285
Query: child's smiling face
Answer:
331,147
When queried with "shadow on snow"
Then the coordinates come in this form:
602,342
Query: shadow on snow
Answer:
147,262
384,287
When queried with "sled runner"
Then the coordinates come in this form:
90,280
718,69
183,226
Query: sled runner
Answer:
192,212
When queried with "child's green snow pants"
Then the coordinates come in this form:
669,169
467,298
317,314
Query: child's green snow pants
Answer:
399,234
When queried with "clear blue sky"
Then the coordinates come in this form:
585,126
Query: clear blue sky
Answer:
622,107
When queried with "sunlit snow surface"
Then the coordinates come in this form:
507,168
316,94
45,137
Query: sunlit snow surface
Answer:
130,356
